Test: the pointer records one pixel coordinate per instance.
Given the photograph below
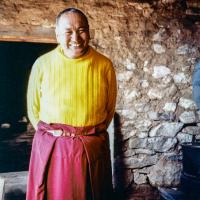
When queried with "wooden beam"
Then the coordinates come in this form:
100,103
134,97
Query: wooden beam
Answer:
27,34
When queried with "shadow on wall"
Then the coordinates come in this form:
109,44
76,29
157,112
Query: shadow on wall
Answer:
15,195
118,166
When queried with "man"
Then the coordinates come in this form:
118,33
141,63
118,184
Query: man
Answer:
71,101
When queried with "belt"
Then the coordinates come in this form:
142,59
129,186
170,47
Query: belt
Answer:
70,131
61,132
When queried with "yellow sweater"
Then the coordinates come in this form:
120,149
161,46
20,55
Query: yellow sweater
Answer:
77,92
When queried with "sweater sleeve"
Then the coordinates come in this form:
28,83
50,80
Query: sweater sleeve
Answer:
33,94
112,94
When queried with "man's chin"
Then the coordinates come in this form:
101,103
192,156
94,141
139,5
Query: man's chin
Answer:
76,53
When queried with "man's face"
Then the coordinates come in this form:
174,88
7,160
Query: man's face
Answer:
72,33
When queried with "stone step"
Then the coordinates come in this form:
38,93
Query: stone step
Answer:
13,185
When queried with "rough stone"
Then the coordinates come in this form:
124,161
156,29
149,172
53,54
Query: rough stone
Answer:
184,137
170,91
142,135
197,137
130,114
158,48
129,134
166,172
128,153
137,143
180,78
12,183
142,107
166,129
192,130
159,93
158,144
185,49
155,93
166,116
158,36
129,65
160,71
182,50
144,151
169,106
153,115
161,144
187,103
187,117
144,83
140,178
143,126
125,76
130,95
140,161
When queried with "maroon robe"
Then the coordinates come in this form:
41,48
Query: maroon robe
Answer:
70,168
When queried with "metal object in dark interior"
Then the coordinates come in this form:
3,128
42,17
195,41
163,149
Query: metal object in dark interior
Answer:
191,159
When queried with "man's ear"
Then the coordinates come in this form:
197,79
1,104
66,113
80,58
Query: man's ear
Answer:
57,34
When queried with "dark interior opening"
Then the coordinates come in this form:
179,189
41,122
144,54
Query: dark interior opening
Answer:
16,59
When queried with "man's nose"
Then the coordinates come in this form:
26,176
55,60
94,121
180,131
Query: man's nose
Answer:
75,36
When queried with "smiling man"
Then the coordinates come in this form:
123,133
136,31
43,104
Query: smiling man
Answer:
71,101
72,31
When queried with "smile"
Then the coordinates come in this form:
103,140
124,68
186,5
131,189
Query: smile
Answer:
75,45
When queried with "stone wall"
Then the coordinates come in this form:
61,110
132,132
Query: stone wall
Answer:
153,47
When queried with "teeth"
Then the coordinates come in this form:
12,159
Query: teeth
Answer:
75,45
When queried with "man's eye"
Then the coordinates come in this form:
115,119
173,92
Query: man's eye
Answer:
82,31
68,32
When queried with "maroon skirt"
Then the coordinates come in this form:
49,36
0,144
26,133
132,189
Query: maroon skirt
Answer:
70,168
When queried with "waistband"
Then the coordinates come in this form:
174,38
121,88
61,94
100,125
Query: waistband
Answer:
67,130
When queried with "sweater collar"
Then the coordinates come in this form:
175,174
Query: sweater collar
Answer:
85,56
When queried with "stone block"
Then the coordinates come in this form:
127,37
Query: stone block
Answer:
13,185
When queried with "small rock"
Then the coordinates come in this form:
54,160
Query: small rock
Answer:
160,71
153,115
140,161
192,130
187,103
166,129
155,93
125,76
169,106
161,144
144,83
166,172
187,117
131,95
129,65
182,50
140,178
180,78
158,48
183,137
130,114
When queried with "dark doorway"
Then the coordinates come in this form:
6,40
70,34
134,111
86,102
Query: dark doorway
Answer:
16,60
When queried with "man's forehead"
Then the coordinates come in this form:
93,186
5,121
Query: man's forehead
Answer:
70,19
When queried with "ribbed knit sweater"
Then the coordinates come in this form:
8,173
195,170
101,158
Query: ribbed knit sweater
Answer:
77,92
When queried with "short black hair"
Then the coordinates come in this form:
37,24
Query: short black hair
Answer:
71,10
